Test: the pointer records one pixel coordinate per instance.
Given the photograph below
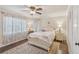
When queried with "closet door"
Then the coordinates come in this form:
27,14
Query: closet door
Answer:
74,29
1,29
77,29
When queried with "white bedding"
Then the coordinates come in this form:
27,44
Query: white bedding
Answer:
41,39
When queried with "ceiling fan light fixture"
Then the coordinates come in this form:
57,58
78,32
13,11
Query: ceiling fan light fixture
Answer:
32,12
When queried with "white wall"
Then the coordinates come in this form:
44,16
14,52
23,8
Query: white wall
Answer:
53,22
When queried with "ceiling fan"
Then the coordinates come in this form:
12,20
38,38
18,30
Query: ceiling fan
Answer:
34,10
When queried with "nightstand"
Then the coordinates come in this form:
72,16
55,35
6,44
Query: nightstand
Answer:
30,32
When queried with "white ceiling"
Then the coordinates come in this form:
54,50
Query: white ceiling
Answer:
48,10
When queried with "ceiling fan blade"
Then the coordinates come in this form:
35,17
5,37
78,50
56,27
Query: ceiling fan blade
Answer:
39,9
24,10
39,13
32,8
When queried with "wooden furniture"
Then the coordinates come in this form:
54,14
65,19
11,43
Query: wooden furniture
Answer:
30,32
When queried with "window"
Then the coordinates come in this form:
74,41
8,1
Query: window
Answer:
7,25
24,26
13,25
16,25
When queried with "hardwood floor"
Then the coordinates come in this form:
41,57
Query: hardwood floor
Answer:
56,46
59,45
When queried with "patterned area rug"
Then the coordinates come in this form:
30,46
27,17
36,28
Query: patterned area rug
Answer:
25,48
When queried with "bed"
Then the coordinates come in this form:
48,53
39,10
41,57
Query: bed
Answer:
41,39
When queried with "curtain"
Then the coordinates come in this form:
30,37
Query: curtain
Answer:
13,29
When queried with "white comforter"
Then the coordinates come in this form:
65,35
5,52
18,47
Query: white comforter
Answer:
46,36
41,39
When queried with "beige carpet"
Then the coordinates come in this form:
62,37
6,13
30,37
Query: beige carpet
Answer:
25,48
